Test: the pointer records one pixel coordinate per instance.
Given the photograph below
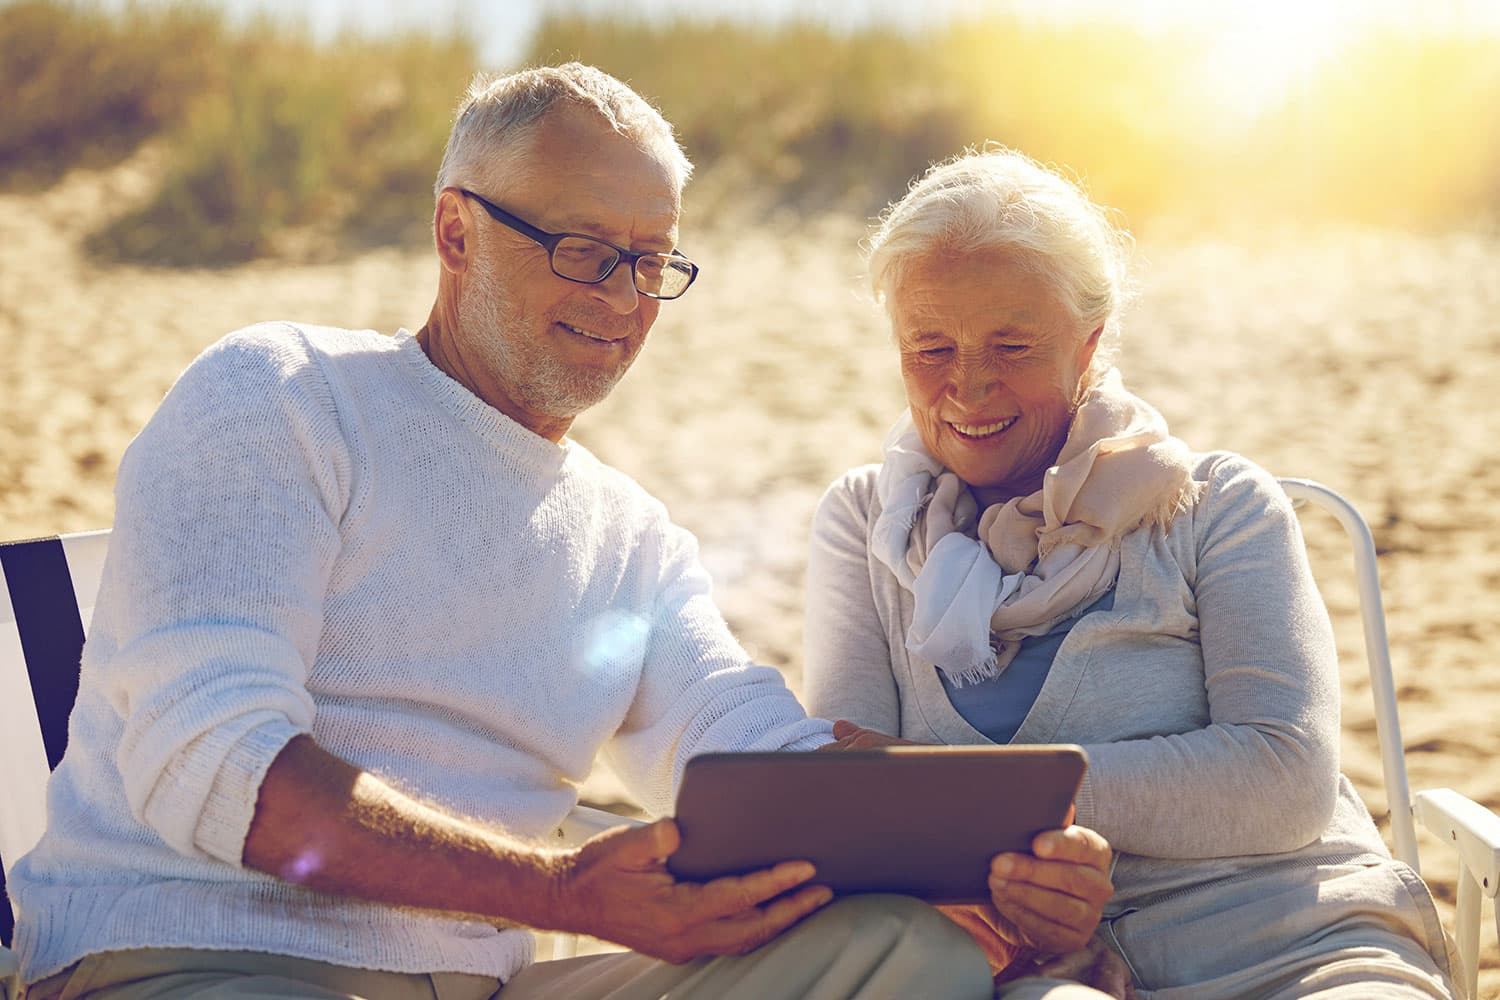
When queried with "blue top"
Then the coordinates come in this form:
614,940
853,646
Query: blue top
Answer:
996,707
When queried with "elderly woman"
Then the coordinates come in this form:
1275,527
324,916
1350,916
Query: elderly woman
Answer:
1037,560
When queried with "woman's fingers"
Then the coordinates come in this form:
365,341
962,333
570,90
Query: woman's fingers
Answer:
1078,844
1095,965
1054,901
850,736
1068,878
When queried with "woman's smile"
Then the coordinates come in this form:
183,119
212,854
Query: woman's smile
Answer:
978,432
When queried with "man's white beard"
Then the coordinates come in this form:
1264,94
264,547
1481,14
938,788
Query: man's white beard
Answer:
530,374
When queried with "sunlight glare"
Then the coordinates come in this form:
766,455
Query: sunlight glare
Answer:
1255,57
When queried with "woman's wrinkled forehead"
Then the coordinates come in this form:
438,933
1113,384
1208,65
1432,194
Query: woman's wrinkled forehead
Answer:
930,280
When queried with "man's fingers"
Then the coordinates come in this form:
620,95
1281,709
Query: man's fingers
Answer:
641,847
748,929
733,894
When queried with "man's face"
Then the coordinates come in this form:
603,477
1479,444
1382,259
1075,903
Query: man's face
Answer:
549,348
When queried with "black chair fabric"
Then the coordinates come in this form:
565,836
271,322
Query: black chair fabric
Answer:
51,630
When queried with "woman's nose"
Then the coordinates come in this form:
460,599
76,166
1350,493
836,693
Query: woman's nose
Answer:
971,382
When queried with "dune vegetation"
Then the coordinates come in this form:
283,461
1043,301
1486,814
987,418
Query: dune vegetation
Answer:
268,137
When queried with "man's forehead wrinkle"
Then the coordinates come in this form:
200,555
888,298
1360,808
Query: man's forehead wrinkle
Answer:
584,177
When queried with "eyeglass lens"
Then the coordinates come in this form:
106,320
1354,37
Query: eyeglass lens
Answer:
583,259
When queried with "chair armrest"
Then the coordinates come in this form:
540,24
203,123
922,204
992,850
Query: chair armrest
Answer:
10,975
1474,832
1467,826
584,822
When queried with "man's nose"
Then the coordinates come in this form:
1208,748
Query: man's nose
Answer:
618,291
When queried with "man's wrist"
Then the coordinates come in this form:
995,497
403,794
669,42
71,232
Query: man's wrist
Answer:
546,892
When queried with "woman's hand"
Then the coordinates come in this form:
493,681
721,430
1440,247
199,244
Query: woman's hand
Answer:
1094,965
853,737
1051,900
983,924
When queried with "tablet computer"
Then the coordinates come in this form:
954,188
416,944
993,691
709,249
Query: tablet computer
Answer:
924,821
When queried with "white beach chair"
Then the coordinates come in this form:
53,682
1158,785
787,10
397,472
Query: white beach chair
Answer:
1466,826
49,596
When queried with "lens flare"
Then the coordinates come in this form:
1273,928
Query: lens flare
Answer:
303,866
612,641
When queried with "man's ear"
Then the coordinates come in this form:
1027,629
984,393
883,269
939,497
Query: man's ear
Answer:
452,231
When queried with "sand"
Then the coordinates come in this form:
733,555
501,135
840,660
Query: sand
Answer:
1367,359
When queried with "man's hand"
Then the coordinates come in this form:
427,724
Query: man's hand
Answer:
1051,900
849,736
616,887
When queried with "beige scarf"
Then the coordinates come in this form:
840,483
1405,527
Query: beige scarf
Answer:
983,582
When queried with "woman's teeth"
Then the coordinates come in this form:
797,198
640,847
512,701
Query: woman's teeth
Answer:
982,430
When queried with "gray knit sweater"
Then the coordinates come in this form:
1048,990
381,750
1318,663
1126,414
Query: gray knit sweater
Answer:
1207,697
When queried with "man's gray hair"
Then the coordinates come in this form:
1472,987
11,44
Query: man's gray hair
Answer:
498,115
999,199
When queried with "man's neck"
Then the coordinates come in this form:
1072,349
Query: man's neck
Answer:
443,349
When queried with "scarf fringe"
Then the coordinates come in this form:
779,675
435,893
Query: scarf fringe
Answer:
1188,497
977,674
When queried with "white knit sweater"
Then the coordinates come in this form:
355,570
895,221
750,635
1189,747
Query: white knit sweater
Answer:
319,532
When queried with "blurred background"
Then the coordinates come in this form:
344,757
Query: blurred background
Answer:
292,125
1314,184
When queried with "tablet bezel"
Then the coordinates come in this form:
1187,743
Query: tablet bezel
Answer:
923,820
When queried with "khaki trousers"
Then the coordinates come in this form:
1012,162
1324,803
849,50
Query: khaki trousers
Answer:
865,947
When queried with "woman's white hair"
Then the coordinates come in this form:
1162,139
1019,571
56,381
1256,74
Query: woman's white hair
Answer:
498,115
999,199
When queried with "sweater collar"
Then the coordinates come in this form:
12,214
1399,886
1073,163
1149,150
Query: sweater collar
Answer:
488,422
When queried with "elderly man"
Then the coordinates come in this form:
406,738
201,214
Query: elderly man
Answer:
369,616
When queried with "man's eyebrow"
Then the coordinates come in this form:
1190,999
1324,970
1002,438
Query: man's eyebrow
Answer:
591,228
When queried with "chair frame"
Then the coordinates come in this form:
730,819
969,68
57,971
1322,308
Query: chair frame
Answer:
1467,826
28,749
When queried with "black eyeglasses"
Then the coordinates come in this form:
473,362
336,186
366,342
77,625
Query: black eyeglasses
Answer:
590,260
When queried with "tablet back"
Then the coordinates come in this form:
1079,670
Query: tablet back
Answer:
918,820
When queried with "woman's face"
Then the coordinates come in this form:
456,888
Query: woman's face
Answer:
991,357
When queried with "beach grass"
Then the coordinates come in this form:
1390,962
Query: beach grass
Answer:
273,141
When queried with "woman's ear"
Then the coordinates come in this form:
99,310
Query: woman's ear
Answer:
451,224
1088,347
1083,359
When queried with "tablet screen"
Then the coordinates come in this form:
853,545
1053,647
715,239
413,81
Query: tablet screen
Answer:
924,821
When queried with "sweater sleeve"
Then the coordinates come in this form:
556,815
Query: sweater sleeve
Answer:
1262,776
698,691
846,658
227,509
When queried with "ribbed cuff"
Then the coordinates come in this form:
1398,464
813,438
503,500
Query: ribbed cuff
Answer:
1083,804
812,741
224,822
